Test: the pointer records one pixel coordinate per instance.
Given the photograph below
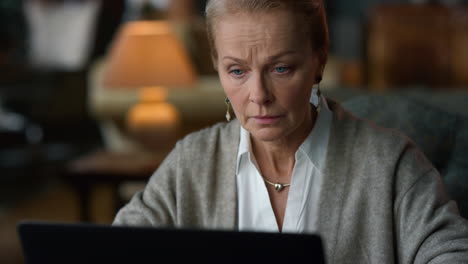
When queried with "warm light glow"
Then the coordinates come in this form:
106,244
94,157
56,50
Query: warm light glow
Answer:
153,94
155,116
155,125
148,28
147,53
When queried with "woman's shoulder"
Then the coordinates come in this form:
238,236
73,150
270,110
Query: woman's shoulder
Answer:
212,134
363,132
376,144
219,138
369,154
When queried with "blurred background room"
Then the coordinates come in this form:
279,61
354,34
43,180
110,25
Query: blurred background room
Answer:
94,93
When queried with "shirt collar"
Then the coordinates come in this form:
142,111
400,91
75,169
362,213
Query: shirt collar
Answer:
244,143
315,145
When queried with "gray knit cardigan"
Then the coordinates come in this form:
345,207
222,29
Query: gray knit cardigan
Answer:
381,200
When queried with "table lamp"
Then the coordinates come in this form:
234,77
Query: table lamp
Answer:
147,55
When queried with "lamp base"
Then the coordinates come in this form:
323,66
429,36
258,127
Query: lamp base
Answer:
154,124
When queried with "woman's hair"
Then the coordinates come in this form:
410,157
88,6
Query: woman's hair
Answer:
310,14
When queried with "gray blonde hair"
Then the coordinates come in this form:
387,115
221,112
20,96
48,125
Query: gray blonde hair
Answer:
310,12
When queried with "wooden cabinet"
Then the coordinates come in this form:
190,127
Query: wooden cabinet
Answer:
417,45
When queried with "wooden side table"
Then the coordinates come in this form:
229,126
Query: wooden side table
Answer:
110,168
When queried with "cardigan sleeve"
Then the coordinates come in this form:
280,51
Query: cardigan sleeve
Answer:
156,204
428,226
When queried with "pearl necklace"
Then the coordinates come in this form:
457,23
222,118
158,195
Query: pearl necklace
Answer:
278,186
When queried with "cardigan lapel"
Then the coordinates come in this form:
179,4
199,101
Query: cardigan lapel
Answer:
226,217
334,181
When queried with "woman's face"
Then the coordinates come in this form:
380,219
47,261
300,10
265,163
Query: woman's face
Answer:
267,68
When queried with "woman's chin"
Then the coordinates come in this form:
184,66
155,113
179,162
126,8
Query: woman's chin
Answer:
267,134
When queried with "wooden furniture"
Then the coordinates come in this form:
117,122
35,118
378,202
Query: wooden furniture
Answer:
111,168
417,45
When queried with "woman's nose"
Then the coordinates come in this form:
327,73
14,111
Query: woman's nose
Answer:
259,91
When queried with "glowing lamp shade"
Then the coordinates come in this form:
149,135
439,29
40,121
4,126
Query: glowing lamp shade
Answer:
146,55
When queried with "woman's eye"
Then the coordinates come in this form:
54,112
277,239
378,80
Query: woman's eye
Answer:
237,72
281,69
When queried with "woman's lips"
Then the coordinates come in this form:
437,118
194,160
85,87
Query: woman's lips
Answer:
266,120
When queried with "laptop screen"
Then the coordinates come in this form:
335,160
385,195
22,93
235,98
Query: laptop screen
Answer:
88,243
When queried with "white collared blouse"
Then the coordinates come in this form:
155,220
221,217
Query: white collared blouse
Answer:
255,212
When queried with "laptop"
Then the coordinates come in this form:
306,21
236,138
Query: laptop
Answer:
45,242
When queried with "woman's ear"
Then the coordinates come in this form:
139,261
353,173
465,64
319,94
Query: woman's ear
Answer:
323,57
319,76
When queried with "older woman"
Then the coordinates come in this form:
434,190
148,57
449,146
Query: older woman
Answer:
294,161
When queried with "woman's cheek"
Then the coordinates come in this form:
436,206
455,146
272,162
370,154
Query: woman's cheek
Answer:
296,93
227,86
231,91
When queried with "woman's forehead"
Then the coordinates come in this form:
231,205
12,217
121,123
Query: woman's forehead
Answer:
267,32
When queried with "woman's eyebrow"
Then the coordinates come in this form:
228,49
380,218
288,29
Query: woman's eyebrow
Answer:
269,58
281,54
234,59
